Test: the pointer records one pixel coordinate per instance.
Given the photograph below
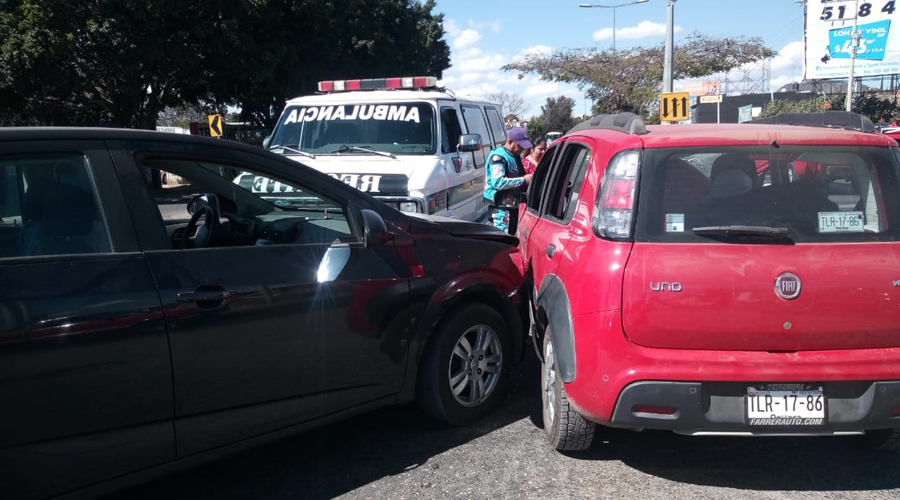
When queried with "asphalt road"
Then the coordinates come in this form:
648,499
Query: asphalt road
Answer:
397,453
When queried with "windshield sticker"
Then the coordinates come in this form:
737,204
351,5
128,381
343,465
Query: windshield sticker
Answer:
841,222
359,112
674,223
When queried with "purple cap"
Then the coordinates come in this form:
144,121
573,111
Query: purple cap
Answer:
519,135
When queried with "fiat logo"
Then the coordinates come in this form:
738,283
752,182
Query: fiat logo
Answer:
787,286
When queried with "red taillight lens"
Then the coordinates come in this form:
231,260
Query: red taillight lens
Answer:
621,194
614,209
895,412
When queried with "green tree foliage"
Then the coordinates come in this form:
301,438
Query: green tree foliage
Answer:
813,105
536,129
632,79
877,107
556,114
123,61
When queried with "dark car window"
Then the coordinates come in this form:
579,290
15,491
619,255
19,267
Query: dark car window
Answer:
254,209
541,174
566,182
496,124
475,123
450,130
815,193
50,206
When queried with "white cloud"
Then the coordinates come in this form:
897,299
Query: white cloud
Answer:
537,50
494,26
452,28
644,29
467,39
489,62
789,58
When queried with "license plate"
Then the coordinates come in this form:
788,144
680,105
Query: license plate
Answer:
841,222
785,405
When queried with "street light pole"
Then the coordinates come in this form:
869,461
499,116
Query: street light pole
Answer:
854,37
613,7
670,43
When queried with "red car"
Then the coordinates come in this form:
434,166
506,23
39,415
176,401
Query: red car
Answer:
717,280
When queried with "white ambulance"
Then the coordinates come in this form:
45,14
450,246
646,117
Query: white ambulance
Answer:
405,141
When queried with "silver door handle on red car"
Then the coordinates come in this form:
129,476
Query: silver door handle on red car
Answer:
551,249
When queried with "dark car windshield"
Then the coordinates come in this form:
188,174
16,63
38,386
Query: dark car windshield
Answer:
398,128
793,194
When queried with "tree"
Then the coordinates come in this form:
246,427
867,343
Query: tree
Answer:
123,61
816,104
633,78
877,106
557,114
536,128
510,103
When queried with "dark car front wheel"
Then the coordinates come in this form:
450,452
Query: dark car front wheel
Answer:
464,368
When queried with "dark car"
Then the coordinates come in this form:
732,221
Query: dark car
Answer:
247,298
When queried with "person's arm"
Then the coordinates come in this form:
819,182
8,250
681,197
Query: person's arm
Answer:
497,179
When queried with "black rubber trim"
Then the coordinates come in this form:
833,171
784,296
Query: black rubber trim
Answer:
555,302
719,406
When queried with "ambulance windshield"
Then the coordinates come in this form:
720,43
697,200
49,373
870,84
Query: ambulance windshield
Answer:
399,128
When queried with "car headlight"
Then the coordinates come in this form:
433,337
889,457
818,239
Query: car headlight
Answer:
409,206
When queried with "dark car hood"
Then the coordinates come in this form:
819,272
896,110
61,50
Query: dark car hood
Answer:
464,229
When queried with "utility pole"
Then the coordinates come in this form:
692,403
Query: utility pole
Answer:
670,46
854,35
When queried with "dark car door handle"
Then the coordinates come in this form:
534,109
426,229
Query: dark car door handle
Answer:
204,296
551,249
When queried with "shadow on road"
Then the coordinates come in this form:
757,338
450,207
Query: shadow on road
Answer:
761,464
339,458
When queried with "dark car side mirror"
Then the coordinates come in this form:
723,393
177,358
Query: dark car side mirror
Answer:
469,143
374,228
508,199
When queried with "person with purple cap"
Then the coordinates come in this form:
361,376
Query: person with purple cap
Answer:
505,171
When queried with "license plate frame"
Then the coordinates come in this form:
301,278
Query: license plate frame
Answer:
841,222
785,405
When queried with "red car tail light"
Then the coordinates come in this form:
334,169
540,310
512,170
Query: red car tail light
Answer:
614,210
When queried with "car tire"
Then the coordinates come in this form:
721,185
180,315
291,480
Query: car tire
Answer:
456,390
566,429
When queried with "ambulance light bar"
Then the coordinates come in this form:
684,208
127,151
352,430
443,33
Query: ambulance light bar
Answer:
411,82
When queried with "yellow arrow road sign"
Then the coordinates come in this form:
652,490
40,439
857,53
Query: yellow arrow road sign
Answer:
674,106
215,125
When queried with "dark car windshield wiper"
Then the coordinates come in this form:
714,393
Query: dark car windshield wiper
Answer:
773,232
292,150
346,149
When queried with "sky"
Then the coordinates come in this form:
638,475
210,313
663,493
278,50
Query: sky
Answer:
485,35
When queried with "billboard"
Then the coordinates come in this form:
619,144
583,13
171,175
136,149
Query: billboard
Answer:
829,38
701,88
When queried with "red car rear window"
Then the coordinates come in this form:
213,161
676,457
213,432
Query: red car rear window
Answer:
807,193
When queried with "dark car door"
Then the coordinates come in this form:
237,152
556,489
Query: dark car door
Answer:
285,315
85,375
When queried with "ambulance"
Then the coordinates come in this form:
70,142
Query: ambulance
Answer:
405,141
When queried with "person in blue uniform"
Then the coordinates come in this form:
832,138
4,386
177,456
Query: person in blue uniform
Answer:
505,171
